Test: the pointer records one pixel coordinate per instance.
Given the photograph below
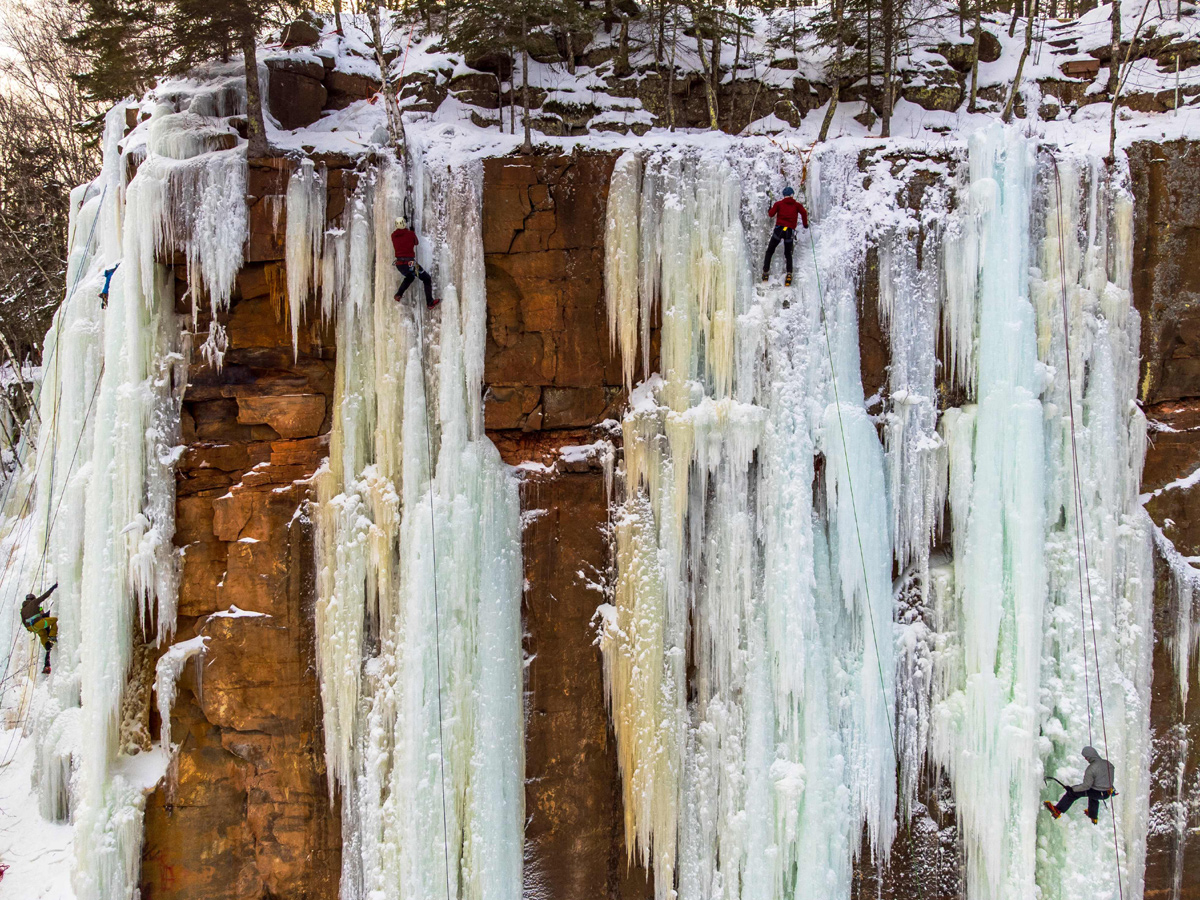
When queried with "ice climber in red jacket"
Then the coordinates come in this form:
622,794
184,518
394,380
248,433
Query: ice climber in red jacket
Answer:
785,212
404,242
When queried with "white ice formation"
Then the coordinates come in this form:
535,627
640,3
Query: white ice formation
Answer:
92,506
786,655
419,553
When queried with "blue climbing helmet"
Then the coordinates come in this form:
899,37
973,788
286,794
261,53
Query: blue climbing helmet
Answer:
787,192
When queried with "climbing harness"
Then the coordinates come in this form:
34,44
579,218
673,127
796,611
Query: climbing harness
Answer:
437,623
1085,579
862,556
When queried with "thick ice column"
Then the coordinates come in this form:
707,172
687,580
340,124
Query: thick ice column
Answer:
855,587
128,562
1083,261
420,550
987,730
754,787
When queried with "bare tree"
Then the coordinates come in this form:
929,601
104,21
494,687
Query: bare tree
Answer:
1114,60
836,75
43,154
395,122
975,55
257,128
1124,75
889,58
1016,85
709,63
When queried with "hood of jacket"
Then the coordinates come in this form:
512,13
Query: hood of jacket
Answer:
1090,754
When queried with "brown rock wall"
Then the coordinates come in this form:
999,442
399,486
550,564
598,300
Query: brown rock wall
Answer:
246,814
1166,288
548,361
550,380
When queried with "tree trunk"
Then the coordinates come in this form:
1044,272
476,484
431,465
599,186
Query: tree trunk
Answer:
395,123
1114,64
622,67
837,71
337,15
660,45
975,56
1016,85
1016,14
715,54
737,59
1112,116
870,50
257,127
570,51
889,47
527,146
671,76
709,93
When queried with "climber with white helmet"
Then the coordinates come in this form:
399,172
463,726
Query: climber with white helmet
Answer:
785,212
1097,785
404,243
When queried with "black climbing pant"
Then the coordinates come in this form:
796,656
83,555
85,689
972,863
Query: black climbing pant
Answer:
1093,796
410,270
788,236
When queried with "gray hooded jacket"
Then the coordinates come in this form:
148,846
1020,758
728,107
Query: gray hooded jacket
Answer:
1098,775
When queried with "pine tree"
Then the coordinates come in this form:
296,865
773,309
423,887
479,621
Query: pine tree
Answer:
130,43
505,29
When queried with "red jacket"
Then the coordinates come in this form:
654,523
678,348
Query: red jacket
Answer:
404,242
785,212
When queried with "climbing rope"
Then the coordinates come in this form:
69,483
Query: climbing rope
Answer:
404,62
437,623
1085,579
862,556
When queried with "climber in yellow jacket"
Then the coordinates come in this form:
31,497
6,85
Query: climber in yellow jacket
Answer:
35,620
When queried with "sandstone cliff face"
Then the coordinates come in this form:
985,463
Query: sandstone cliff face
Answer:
1166,282
247,812
248,815
551,380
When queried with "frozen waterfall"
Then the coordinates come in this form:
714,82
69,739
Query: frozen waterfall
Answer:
419,553
807,619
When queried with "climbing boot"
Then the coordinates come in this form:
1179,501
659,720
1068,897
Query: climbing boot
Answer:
1095,820
1052,808
396,296
434,302
766,275
46,669
787,281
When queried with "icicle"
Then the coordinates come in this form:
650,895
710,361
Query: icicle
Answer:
303,240
621,269
167,671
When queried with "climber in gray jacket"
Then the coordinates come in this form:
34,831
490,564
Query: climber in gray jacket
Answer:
1097,785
